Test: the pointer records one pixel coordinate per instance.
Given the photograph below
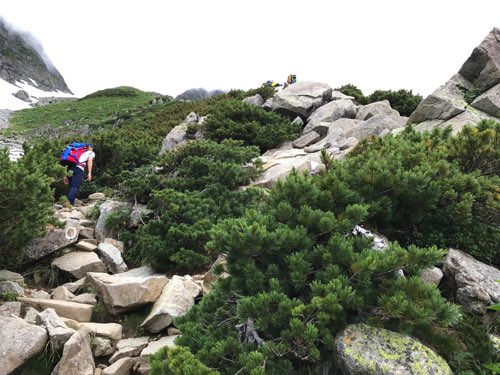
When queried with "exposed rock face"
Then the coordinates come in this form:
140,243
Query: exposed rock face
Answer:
482,68
59,333
78,263
127,290
22,59
302,98
77,356
105,209
475,281
53,241
20,341
361,349
176,299
478,80
80,312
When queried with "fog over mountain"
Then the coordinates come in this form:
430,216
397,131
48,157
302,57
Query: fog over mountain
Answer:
26,72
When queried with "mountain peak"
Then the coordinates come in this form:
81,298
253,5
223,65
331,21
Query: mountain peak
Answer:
24,65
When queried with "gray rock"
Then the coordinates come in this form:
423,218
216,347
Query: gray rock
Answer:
78,263
6,275
112,257
476,282
361,349
102,347
301,98
50,243
105,209
331,112
432,275
20,342
11,287
128,290
67,309
77,356
444,103
10,309
256,100
59,333
373,126
123,366
298,121
482,68
377,108
87,298
175,138
307,139
176,299
489,101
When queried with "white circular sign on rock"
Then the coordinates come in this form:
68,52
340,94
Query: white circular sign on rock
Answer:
71,233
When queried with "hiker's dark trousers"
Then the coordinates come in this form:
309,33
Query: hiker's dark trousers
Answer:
75,182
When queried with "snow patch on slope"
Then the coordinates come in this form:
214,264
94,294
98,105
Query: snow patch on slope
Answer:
9,101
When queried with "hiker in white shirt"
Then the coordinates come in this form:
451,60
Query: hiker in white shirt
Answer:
86,159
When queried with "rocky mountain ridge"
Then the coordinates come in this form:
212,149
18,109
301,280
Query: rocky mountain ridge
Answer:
22,59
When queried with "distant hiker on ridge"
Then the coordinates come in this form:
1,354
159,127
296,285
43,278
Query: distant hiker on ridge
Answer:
291,79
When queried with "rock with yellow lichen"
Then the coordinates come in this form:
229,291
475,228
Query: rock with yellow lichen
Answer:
364,350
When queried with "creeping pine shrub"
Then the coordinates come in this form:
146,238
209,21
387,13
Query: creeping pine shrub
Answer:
403,101
427,189
234,119
297,278
25,201
265,92
198,185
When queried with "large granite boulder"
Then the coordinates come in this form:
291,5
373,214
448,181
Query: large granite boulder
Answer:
78,263
476,282
489,102
377,108
477,80
54,240
80,312
331,112
482,68
59,333
444,103
105,210
77,356
175,138
127,290
365,350
19,342
176,299
302,98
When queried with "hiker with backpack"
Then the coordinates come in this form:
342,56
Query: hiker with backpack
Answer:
290,80
76,156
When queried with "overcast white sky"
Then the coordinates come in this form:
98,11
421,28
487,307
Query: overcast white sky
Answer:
172,46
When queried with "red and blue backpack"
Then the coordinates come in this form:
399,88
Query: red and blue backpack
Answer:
71,154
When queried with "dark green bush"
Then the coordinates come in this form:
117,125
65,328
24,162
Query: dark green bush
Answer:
265,91
198,186
177,361
418,191
25,201
297,279
403,101
354,91
237,120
